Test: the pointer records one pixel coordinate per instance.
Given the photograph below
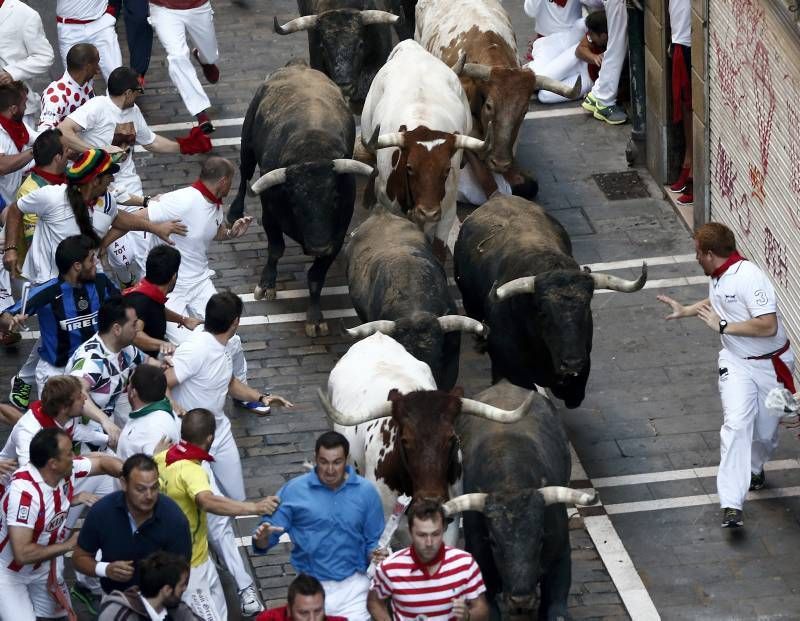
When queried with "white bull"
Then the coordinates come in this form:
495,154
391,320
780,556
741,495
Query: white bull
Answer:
417,106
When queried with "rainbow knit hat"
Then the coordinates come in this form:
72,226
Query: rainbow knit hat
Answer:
89,165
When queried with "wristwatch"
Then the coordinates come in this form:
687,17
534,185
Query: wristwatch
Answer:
263,396
146,201
723,323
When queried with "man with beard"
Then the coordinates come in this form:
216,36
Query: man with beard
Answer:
164,578
755,358
15,140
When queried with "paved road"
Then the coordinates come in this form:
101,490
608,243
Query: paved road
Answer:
647,434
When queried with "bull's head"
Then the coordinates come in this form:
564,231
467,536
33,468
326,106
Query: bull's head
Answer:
516,528
311,189
504,96
340,36
420,167
426,440
423,335
557,310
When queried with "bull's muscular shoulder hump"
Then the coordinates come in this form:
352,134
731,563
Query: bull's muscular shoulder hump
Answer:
507,223
307,92
444,31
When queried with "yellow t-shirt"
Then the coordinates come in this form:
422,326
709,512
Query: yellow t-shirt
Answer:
182,481
32,182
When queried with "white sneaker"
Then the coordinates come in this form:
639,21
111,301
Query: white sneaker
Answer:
250,604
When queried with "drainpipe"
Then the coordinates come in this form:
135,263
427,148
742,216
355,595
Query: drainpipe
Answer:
636,151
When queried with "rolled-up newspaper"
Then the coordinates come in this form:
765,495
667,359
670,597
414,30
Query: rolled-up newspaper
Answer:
391,526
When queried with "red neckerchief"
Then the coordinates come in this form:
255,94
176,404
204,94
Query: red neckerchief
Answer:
561,3
47,422
17,131
735,257
422,565
147,289
186,450
207,194
51,178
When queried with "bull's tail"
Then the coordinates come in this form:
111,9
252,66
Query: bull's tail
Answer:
370,198
247,162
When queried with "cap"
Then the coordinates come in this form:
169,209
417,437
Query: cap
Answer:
89,165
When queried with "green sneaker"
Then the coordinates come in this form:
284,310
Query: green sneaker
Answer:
590,104
613,115
85,597
20,395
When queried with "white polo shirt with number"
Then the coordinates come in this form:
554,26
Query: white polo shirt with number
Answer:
744,292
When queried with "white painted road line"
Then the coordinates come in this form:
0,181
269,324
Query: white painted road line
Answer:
678,475
557,112
620,567
217,142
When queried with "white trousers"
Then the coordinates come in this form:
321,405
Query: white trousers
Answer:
101,34
227,466
749,432
554,57
204,595
172,26
25,598
192,301
28,371
44,371
347,598
605,89
222,539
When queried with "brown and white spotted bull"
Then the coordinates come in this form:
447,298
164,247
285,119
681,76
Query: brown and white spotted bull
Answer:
417,104
406,443
497,87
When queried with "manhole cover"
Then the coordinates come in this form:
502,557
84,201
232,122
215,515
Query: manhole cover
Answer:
621,185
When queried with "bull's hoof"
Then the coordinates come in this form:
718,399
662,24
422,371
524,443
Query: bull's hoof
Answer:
317,329
264,294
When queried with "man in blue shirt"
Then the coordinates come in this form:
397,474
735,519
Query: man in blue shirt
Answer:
335,519
129,525
66,306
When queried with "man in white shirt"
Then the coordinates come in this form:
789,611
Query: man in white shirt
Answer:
89,21
16,140
755,358
115,123
34,531
151,420
24,50
73,89
172,20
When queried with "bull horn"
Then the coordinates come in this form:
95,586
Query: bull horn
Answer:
350,420
393,139
476,72
556,493
344,166
543,83
453,323
368,329
368,18
604,281
306,22
465,502
526,284
470,143
458,67
267,180
490,412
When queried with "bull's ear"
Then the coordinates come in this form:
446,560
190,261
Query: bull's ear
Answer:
394,395
457,391
403,128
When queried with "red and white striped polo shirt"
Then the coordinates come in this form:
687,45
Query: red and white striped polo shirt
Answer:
29,502
413,593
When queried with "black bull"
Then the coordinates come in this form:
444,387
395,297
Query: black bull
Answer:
519,533
300,132
513,264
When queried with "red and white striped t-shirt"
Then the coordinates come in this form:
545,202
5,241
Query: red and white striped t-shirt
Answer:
413,593
29,502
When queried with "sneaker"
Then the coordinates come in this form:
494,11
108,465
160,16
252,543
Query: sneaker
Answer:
613,115
207,127
20,395
255,406
590,104
211,71
682,182
85,597
250,604
757,481
732,518
687,198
